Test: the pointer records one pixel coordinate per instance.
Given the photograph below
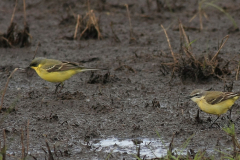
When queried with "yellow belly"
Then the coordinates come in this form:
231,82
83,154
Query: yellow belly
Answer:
55,76
216,109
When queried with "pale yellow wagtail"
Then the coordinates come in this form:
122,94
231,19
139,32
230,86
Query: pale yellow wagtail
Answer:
56,71
214,102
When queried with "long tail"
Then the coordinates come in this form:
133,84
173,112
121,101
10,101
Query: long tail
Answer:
87,69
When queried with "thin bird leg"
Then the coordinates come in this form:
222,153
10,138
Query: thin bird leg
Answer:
230,114
214,122
62,85
57,87
197,118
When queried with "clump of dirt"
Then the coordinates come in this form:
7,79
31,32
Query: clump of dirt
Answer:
103,79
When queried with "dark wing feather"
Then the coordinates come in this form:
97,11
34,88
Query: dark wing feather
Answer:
64,66
222,96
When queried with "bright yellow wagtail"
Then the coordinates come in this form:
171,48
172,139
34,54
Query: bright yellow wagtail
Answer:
214,102
56,71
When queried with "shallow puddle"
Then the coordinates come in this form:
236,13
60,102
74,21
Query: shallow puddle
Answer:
152,148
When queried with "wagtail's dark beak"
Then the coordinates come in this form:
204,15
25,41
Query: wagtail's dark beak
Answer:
189,97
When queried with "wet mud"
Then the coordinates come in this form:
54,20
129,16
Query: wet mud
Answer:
136,96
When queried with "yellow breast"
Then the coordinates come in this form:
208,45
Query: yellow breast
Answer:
216,109
54,76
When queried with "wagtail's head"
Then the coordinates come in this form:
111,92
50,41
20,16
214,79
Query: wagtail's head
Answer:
36,61
196,95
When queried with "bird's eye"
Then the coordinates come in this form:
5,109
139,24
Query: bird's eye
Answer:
33,65
196,95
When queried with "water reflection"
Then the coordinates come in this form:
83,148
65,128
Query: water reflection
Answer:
152,148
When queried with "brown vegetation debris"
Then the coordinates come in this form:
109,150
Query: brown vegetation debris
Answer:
187,66
15,37
87,27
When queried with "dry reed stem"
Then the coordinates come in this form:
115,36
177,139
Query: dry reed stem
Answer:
184,34
174,58
23,148
225,38
4,145
27,136
130,23
36,50
7,41
4,91
14,12
237,72
92,20
95,23
24,10
77,26
88,4
205,15
50,155
188,53
200,17
114,34
193,18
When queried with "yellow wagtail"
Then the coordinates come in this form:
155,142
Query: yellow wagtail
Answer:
214,102
56,71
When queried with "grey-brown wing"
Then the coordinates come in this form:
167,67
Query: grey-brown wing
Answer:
220,97
64,66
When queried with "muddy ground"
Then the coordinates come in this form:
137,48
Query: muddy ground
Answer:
134,98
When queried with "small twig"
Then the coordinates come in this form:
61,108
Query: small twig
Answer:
14,11
36,50
4,91
174,58
225,38
237,72
77,26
